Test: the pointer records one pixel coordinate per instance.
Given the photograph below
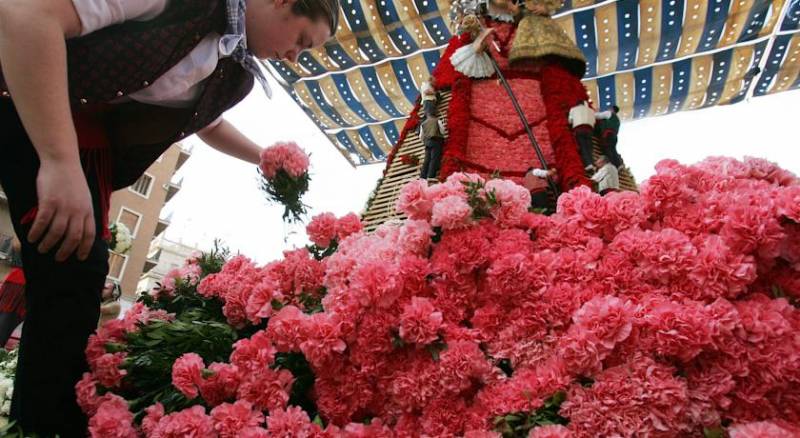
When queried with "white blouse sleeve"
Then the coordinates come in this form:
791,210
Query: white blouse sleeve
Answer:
97,14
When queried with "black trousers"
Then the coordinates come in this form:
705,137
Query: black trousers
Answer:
610,150
62,300
433,157
583,136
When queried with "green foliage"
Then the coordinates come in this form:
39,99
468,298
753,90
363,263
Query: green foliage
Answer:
287,190
321,253
518,424
154,348
303,381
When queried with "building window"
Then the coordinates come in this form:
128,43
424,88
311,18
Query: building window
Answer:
131,220
143,185
116,265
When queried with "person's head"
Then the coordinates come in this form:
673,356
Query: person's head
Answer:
615,109
580,102
282,29
110,291
601,161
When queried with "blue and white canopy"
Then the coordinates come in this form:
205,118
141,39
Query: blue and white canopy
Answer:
649,57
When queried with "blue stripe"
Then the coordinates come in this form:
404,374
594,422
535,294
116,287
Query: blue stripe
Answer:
366,138
319,98
627,33
286,73
311,64
719,74
791,20
431,60
399,36
347,96
585,35
566,6
681,80
405,80
755,20
354,15
643,92
607,92
345,142
339,55
435,25
716,16
757,54
774,62
373,84
390,130
671,28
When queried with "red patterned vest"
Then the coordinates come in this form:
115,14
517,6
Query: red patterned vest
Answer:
122,59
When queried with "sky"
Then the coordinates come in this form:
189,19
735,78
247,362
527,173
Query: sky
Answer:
220,197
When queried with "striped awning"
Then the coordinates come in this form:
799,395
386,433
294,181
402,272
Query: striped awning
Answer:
649,57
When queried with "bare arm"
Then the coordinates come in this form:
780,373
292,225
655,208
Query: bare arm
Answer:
34,63
224,137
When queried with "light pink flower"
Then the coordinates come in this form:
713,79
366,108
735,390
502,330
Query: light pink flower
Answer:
322,229
287,156
450,213
420,322
231,419
187,374
112,420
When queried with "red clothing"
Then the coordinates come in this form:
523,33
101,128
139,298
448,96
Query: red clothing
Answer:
12,293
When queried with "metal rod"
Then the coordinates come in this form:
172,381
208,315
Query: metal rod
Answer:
527,125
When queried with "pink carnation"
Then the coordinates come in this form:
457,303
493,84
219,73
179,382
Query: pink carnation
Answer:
187,374
347,225
420,322
266,389
413,201
221,385
760,429
231,419
324,341
322,229
286,156
107,369
112,420
451,213
550,431
190,422
153,415
291,422
287,328
513,201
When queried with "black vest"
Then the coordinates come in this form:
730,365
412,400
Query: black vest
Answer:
121,59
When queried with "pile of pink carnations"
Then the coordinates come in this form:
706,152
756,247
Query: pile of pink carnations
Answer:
670,312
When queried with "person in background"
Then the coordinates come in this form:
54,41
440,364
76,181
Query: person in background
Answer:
581,119
428,96
432,133
12,295
535,181
606,177
109,307
607,131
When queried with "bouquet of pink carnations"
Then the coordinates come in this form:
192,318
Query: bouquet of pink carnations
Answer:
285,178
671,312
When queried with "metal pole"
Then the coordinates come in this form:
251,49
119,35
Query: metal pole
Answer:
525,123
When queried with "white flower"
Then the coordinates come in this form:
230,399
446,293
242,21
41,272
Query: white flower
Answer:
121,239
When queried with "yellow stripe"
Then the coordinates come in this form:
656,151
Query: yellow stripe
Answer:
701,75
649,31
740,62
418,69
787,75
392,87
593,92
329,88
607,44
777,6
735,24
360,90
694,22
661,89
304,94
412,22
626,92
352,134
380,138
582,3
